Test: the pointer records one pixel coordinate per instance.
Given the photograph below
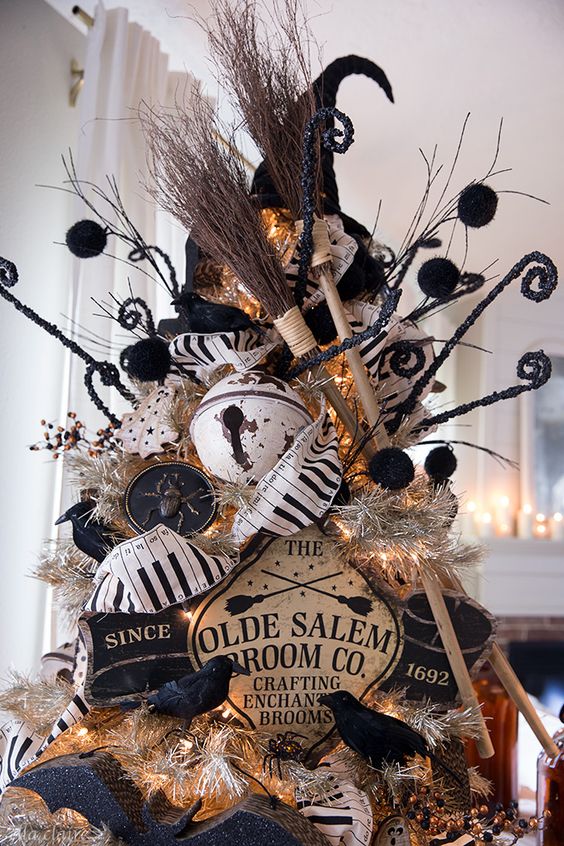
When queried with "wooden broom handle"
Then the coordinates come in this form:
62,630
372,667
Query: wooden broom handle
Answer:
515,690
456,659
360,376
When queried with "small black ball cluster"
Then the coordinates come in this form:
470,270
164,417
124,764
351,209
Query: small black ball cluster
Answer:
477,205
86,239
392,468
440,463
148,360
438,277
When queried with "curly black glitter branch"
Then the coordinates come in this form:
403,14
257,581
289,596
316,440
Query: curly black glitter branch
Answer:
108,372
537,285
329,139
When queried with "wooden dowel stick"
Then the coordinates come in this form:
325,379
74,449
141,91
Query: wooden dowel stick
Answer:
506,674
360,376
456,659
515,690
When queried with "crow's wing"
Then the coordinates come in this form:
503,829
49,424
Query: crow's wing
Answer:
377,736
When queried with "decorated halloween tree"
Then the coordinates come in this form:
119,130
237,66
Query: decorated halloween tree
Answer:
273,644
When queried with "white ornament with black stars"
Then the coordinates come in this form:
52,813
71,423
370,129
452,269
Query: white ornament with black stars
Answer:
147,429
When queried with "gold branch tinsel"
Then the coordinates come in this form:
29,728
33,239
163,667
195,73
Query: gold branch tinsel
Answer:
106,478
480,786
437,727
26,821
38,703
70,573
391,533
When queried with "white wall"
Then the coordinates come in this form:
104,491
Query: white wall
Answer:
36,47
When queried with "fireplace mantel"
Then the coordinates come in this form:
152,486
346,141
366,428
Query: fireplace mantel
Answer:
520,578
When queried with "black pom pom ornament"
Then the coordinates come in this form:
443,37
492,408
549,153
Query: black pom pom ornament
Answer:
86,239
148,360
392,468
440,463
321,324
438,277
477,205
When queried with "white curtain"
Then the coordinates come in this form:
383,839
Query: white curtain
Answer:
124,66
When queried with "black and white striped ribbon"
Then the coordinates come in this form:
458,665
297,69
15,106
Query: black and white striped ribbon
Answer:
154,570
20,745
343,249
59,661
300,487
198,355
344,815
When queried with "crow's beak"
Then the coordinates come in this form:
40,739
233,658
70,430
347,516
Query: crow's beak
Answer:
62,519
175,302
237,668
325,700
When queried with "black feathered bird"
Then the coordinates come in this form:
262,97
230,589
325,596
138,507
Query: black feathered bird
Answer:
92,538
198,692
377,737
204,316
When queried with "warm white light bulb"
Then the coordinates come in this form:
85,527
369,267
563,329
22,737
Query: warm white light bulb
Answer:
527,509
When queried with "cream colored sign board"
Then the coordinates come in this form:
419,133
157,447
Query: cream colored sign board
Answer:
304,622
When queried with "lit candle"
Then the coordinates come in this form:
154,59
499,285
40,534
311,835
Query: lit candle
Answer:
486,525
540,529
503,517
525,522
467,521
557,527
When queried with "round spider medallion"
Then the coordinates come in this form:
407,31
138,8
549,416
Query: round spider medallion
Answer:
173,493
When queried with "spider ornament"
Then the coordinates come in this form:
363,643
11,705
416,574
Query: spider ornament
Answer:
173,493
282,748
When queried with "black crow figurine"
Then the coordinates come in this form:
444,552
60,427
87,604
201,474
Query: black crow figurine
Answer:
94,539
204,316
377,737
198,692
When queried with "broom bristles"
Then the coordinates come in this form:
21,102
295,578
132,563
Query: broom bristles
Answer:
267,73
204,186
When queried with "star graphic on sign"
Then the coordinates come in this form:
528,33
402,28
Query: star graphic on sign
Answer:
351,582
312,566
250,583
296,574
277,564
302,593
265,587
334,587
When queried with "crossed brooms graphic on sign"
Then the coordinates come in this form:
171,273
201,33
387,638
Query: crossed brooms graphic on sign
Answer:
243,602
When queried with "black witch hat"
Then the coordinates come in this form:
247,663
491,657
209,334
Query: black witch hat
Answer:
325,88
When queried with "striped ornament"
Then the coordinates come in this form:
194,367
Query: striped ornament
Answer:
154,570
196,356
300,487
344,815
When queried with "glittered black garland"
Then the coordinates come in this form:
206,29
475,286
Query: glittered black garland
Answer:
535,367
329,140
545,275
109,374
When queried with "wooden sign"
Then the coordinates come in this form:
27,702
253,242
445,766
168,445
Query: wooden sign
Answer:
134,654
423,668
304,622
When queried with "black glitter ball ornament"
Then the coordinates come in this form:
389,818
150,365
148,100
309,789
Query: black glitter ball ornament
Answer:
148,360
440,463
321,324
392,468
438,277
477,205
86,239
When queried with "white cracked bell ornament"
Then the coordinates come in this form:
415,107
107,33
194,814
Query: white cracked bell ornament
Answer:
245,424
